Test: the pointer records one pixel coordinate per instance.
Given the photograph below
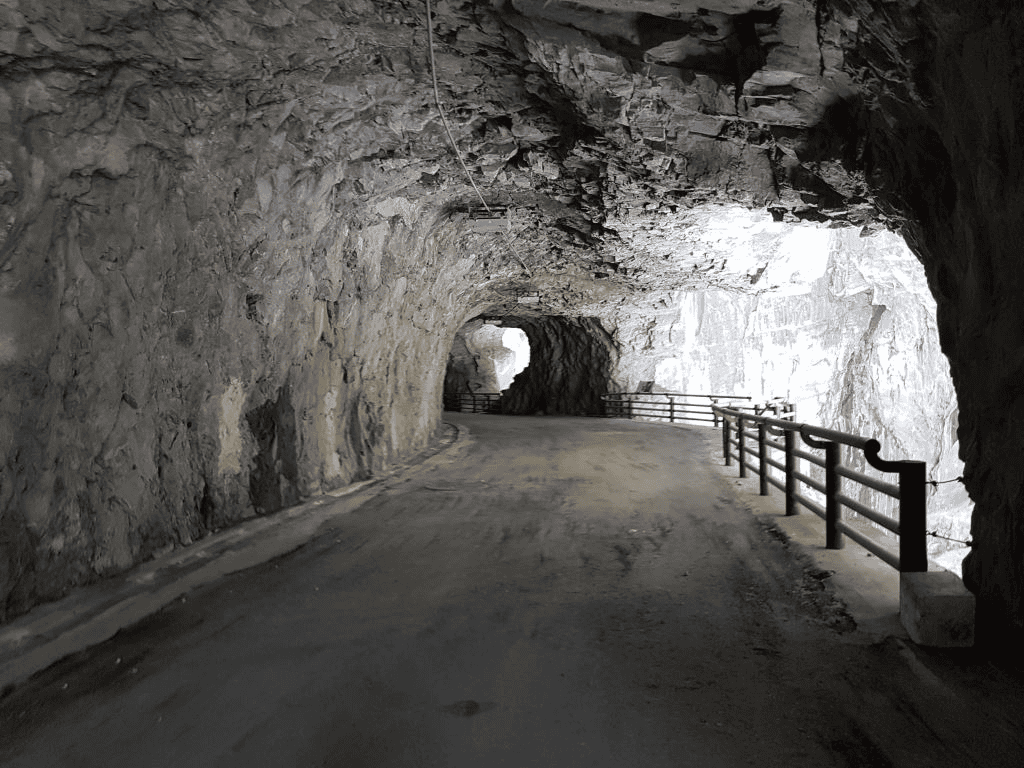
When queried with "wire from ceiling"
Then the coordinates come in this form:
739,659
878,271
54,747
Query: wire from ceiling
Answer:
451,138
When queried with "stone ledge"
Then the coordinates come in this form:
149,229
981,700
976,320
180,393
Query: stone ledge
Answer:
936,609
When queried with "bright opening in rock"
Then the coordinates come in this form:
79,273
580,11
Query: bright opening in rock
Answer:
838,321
485,358
514,340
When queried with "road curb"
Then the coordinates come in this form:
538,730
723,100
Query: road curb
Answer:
90,615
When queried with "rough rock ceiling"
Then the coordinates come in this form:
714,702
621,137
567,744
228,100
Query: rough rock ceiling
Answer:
610,129
600,130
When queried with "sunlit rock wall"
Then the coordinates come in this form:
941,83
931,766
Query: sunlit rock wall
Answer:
478,360
844,328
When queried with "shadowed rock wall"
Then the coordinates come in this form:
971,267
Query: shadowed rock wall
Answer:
944,144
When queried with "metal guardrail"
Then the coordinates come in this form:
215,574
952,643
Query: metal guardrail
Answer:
473,402
679,406
910,489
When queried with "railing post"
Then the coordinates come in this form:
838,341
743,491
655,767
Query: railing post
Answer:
714,413
742,446
671,409
833,510
791,506
913,520
726,440
762,455
913,510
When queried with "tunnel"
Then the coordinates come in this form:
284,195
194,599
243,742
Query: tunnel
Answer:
486,356
569,365
239,243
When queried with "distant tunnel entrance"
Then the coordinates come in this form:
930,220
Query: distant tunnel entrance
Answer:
485,357
566,368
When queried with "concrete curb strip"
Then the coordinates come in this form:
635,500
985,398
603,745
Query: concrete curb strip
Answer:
93,614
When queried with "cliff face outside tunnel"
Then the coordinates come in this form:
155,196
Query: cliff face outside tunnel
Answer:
237,243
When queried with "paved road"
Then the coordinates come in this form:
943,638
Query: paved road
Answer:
563,592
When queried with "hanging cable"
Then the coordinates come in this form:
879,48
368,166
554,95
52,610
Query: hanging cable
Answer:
937,483
451,137
440,109
938,535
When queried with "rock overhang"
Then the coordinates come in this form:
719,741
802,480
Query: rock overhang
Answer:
592,119
609,145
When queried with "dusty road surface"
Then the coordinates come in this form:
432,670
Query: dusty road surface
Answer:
563,592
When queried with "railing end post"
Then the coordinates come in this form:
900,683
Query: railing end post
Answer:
762,456
913,517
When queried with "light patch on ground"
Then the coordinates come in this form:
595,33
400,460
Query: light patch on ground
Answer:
8,348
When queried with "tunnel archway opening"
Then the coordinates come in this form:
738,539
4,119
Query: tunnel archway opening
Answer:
838,321
485,356
570,367
540,365
514,339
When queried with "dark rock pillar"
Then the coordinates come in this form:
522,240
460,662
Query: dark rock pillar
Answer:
945,147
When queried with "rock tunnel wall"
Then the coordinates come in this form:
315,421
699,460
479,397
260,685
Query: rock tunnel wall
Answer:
570,367
202,316
165,378
213,216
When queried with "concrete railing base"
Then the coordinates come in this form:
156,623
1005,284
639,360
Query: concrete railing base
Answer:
936,609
